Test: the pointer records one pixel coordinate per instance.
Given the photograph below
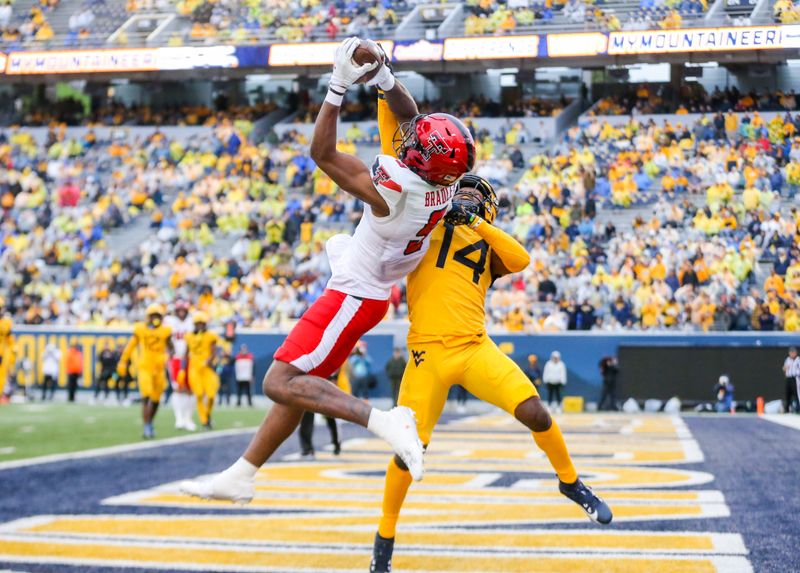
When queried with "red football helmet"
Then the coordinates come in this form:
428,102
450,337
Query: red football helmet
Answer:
435,146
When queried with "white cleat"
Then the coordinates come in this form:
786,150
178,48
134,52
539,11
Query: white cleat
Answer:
221,486
398,426
189,426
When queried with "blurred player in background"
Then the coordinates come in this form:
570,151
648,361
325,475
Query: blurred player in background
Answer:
182,401
448,344
7,353
203,380
108,359
405,197
154,342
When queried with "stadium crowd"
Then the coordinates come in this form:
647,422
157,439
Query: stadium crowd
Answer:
33,25
239,228
247,20
693,98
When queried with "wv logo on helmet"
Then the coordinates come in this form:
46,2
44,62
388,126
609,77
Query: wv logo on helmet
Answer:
436,144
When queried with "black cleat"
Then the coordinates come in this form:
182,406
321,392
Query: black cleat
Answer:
337,448
597,510
382,555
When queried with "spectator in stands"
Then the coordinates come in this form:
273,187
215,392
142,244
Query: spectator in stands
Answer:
5,14
791,370
609,370
724,393
243,367
51,364
395,368
554,377
74,368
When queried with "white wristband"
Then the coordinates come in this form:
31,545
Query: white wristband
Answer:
334,98
387,84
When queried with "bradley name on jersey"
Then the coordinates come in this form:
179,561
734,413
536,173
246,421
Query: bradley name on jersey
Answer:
434,198
439,196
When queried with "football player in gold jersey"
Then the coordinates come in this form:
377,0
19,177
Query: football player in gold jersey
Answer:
203,380
448,344
6,352
154,342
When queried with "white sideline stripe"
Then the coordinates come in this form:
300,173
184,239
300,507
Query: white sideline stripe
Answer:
788,420
122,449
336,326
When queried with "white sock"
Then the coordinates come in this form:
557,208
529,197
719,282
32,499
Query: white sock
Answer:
176,407
375,422
188,407
242,468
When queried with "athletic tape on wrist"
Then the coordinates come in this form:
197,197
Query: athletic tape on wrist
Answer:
334,97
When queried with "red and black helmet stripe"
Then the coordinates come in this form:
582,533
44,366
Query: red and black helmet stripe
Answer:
468,142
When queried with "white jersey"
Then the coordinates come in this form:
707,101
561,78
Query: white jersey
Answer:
383,250
180,328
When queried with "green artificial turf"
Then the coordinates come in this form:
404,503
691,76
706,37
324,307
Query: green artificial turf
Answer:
29,430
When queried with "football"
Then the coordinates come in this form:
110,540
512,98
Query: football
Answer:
366,53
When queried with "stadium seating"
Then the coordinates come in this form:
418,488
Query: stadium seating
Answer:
693,98
631,225
96,23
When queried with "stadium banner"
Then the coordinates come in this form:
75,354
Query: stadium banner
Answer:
576,45
125,60
3,59
311,54
418,51
492,48
703,40
580,351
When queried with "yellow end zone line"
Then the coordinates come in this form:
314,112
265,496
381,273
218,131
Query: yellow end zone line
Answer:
432,497
541,564
291,559
486,515
240,530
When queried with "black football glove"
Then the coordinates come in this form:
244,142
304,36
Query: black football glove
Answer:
458,215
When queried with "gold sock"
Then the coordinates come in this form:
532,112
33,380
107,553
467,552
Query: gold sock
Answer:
551,442
394,493
201,410
209,407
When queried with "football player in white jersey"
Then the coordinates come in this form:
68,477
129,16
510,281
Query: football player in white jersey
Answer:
182,400
405,198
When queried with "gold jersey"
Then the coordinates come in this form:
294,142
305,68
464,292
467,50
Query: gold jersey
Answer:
446,292
201,345
5,333
152,345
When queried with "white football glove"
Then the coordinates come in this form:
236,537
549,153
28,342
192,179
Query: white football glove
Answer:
345,72
384,79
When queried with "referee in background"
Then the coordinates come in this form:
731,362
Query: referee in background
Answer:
791,371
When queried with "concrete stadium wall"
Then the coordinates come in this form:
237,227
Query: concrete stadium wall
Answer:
580,351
